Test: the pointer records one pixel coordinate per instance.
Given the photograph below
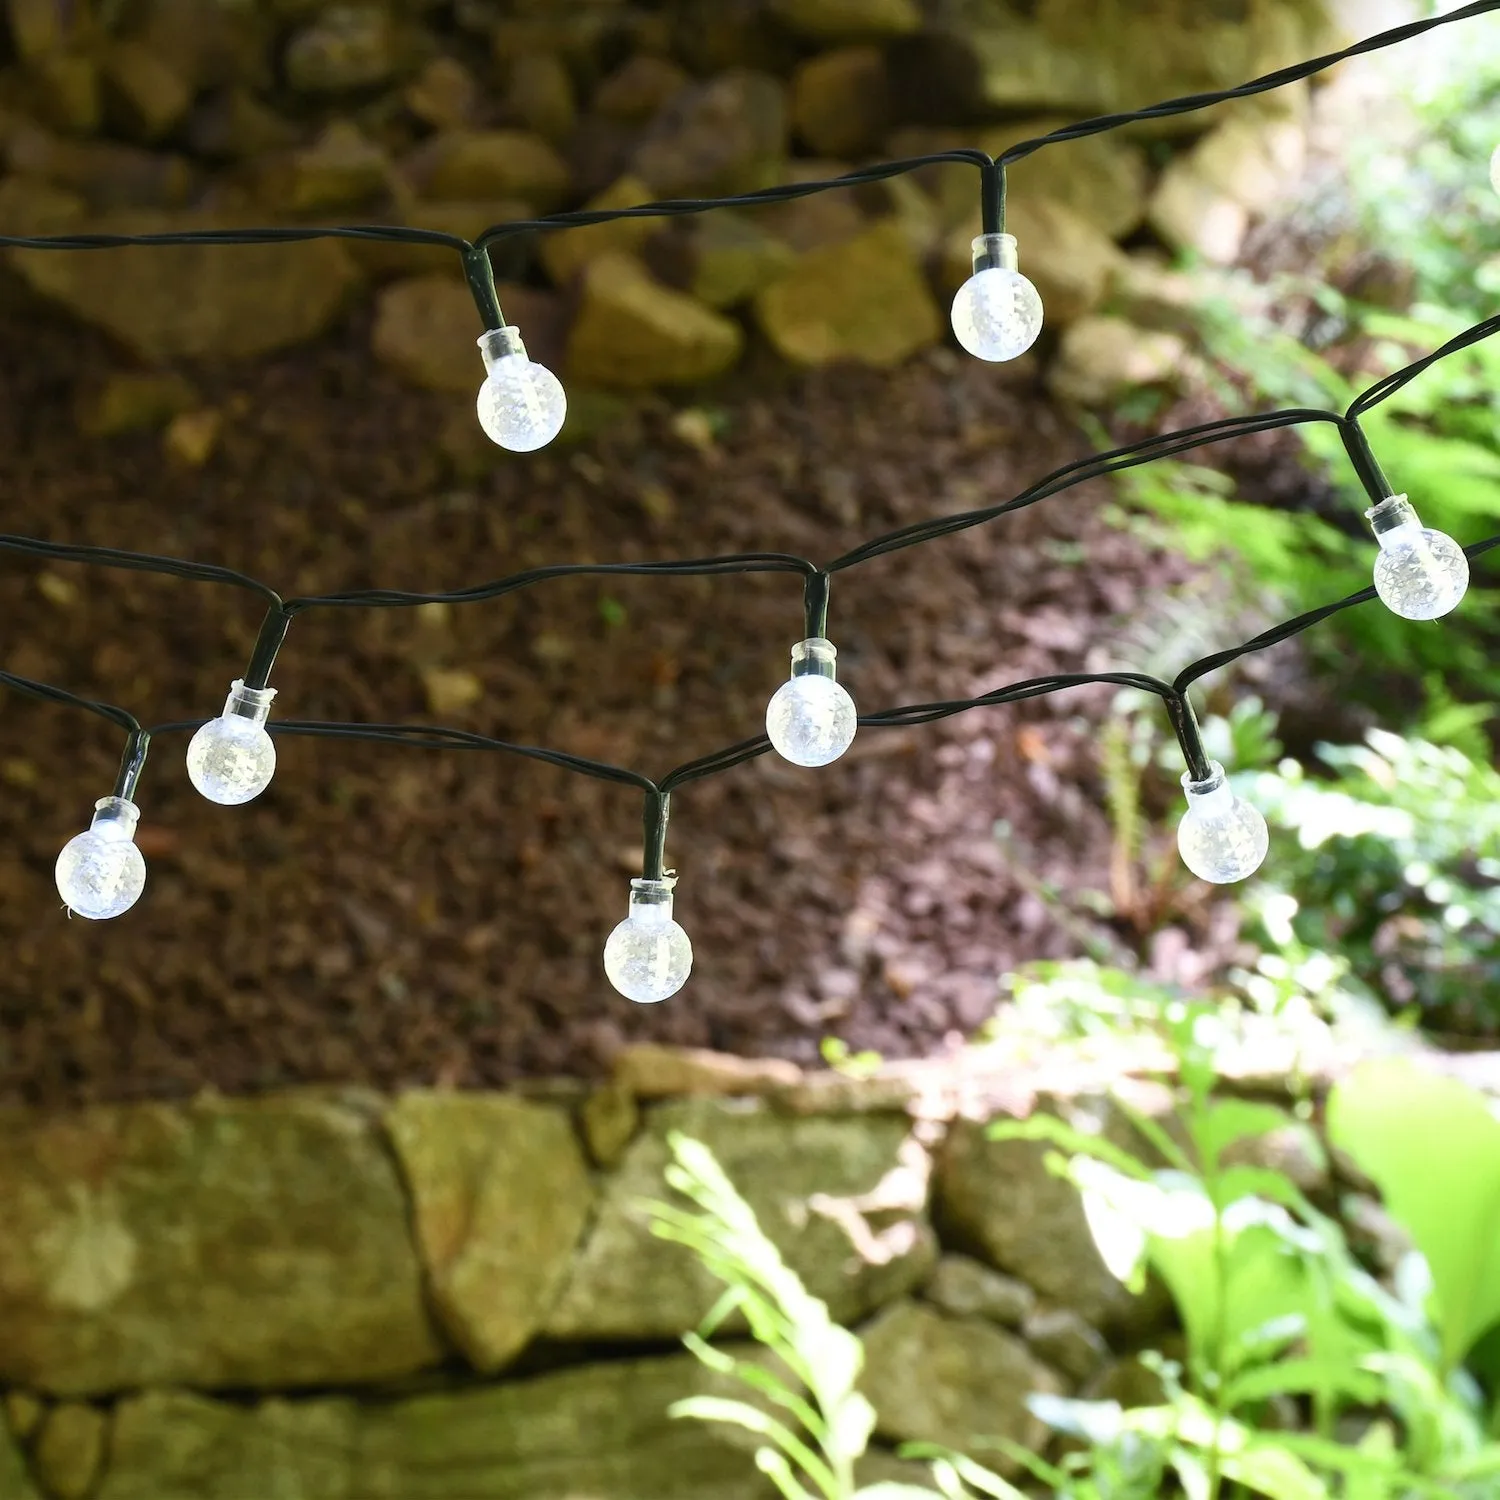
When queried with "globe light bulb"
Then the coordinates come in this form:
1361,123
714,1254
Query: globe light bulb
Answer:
1222,838
811,719
648,956
101,873
232,759
997,313
521,403
1420,574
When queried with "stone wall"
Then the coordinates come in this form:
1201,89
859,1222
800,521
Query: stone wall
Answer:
163,114
331,1295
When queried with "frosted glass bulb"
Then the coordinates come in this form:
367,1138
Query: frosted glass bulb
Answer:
101,873
811,719
1420,574
1495,169
521,403
232,759
648,956
997,313
1222,838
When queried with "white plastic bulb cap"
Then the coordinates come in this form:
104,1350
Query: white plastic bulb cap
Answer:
1222,838
997,313
232,759
648,957
101,873
521,404
811,719
1420,574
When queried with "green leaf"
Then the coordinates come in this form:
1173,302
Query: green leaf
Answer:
753,1419
1432,1145
779,1472
849,1431
1304,1377
890,1490
1043,1127
1226,1121
1272,1470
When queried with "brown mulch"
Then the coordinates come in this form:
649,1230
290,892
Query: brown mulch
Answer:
393,916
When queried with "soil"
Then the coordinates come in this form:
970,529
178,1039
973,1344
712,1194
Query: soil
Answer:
392,916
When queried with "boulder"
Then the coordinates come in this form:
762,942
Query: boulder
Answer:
997,1200
342,169
444,95
346,49
477,164
145,96
1102,178
1254,159
63,90
69,1450
639,89
238,1243
723,258
726,135
103,174
1101,359
233,125
197,301
848,20
539,96
564,253
967,1288
1061,1338
132,400
865,300
609,1119
39,27
936,1379
15,1480
169,1445
1190,213
23,1412
650,1071
814,1183
500,1192
632,333
841,101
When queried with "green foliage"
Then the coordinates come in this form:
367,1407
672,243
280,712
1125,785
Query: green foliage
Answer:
1395,864
1441,1181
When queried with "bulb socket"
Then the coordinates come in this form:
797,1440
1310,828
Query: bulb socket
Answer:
500,343
1209,793
248,702
1394,517
115,818
995,252
815,657
651,900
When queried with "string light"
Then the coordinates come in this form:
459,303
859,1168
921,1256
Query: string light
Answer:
231,759
997,313
1421,574
811,720
100,872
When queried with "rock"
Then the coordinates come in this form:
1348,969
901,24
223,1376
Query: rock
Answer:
800,1176
723,258
209,46
997,1200
478,164
190,439
1072,264
63,91
15,1480
105,175
727,135
348,48
632,333
341,169
1146,290
38,27
1066,1342
649,1071
1102,178
1128,1381
967,1289
235,126
639,89
1293,1151
444,95
865,300
599,1431
566,252
114,1213
848,20
936,1379
132,400
610,1119
841,101
197,301
69,1450
24,1413
500,1193
145,96
1190,213
539,96
1101,359
426,329
169,1445
450,690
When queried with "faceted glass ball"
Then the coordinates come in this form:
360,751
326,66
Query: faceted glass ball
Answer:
521,404
648,958
811,720
1422,575
997,314
1222,838
231,759
100,874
